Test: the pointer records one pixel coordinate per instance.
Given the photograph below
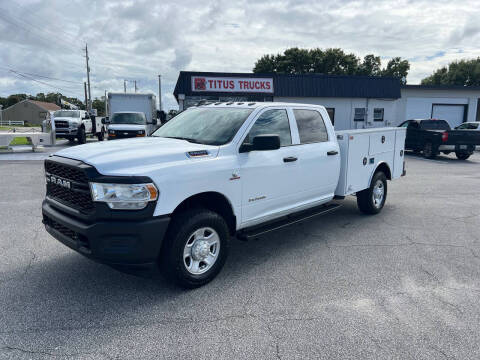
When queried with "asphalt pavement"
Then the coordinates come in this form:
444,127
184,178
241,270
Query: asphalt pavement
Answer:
404,284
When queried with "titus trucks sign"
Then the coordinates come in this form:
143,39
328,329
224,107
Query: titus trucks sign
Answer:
232,85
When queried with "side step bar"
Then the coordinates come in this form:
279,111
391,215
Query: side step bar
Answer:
256,231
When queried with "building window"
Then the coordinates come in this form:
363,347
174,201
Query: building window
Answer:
378,114
311,127
359,114
331,114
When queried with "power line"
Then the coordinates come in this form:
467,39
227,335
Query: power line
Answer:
49,41
10,69
38,81
58,29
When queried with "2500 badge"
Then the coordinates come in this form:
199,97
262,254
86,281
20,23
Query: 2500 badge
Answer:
58,181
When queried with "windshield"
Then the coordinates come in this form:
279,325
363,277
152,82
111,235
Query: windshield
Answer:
205,125
67,113
128,118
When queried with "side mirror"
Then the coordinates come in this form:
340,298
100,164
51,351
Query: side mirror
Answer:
154,121
262,143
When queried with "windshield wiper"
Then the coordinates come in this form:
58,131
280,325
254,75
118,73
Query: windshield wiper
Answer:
183,138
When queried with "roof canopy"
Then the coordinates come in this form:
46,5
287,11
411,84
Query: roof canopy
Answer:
302,85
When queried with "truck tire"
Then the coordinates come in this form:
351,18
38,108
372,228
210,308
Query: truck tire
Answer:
462,155
101,135
429,151
81,136
195,248
372,199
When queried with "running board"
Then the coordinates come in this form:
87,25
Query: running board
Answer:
256,231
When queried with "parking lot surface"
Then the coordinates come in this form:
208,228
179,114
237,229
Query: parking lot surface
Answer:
403,284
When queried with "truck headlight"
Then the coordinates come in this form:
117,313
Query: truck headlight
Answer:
124,196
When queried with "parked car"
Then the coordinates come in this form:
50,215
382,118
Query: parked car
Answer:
77,124
470,125
432,136
212,172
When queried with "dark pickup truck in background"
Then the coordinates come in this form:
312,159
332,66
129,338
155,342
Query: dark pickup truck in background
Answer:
432,136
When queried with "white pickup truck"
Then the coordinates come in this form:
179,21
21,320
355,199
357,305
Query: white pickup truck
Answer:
212,172
78,124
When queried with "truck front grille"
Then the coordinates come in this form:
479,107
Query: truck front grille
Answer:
61,124
77,194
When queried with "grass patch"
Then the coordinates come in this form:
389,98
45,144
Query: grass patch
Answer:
20,141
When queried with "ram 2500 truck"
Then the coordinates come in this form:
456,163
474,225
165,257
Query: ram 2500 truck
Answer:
432,136
174,199
78,124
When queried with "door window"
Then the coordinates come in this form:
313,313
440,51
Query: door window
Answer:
311,126
271,122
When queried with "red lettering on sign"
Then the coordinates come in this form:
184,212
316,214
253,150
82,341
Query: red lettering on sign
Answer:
231,84
267,85
210,83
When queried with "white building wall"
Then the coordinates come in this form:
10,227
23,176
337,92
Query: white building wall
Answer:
417,103
345,110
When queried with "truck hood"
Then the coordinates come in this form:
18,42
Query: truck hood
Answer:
137,155
126,127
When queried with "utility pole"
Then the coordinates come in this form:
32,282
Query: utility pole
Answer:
125,86
160,92
135,85
89,104
106,104
86,98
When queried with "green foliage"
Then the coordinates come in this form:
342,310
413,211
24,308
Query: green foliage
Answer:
463,73
50,97
100,106
332,61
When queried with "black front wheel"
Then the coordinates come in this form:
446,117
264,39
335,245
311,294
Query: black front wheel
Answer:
195,248
462,155
372,199
81,136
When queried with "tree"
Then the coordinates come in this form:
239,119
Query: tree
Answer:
371,65
397,67
463,73
99,105
329,61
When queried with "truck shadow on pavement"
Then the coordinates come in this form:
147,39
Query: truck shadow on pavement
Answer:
72,292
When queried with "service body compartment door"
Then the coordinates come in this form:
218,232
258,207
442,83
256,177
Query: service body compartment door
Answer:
355,167
399,156
382,142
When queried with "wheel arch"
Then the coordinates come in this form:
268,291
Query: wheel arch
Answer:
213,201
383,167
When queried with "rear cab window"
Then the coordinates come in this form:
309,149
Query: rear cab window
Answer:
311,126
434,125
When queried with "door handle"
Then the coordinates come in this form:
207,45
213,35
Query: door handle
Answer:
332,152
290,159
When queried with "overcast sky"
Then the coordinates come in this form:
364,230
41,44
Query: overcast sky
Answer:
137,40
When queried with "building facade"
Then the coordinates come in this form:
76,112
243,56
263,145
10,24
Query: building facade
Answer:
30,111
351,101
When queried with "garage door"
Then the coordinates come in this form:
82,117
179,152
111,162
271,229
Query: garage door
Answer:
452,113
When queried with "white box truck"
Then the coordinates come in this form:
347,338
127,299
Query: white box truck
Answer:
131,115
227,169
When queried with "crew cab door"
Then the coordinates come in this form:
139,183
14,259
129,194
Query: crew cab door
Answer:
269,178
318,156
87,122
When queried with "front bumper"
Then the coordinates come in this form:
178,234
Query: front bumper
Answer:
111,241
66,132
